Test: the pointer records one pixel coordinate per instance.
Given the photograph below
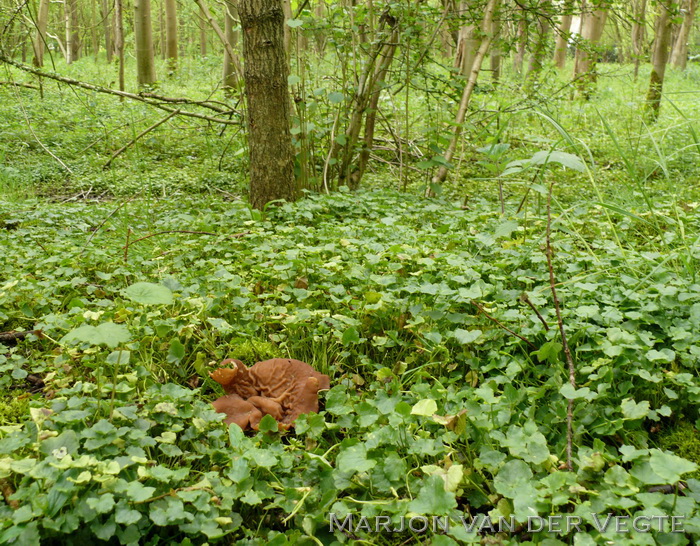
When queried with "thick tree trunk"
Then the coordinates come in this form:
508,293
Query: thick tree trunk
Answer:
561,45
143,34
265,73
230,78
40,40
171,33
638,33
119,39
585,61
679,56
659,58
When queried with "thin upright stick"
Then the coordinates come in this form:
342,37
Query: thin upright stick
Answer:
564,342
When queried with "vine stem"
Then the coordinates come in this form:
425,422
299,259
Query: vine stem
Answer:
564,341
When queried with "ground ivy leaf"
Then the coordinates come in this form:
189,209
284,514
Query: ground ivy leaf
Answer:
102,504
148,293
425,408
670,467
634,410
354,459
138,492
433,498
466,336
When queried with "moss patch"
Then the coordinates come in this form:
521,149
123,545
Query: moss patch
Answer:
13,410
684,441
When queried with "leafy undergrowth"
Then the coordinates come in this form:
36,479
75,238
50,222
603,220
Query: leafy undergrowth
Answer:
435,407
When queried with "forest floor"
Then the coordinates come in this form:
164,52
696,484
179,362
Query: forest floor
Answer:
434,319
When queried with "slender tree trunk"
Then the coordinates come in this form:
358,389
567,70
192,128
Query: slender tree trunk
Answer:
143,34
119,39
171,33
659,58
287,9
106,27
486,27
585,61
561,45
93,29
230,78
40,40
521,42
265,72
679,56
320,35
70,12
496,55
202,37
638,33
539,51
381,70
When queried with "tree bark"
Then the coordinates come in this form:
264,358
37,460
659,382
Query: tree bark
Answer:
119,39
40,40
521,42
638,33
171,33
267,96
106,27
585,61
143,34
659,58
72,31
563,33
539,49
230,78
679,56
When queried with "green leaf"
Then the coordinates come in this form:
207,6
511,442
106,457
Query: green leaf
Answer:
176,351
294,23
107,333
670,467
565,159
433,498
425,408
102,504
293,79
351,335
632,410
512,477
138,492
336,97
268,424
354,459
466,336
664,355
148,293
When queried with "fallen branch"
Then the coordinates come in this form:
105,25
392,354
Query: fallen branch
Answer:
234,236
20,84
13,336
157,103
137,137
